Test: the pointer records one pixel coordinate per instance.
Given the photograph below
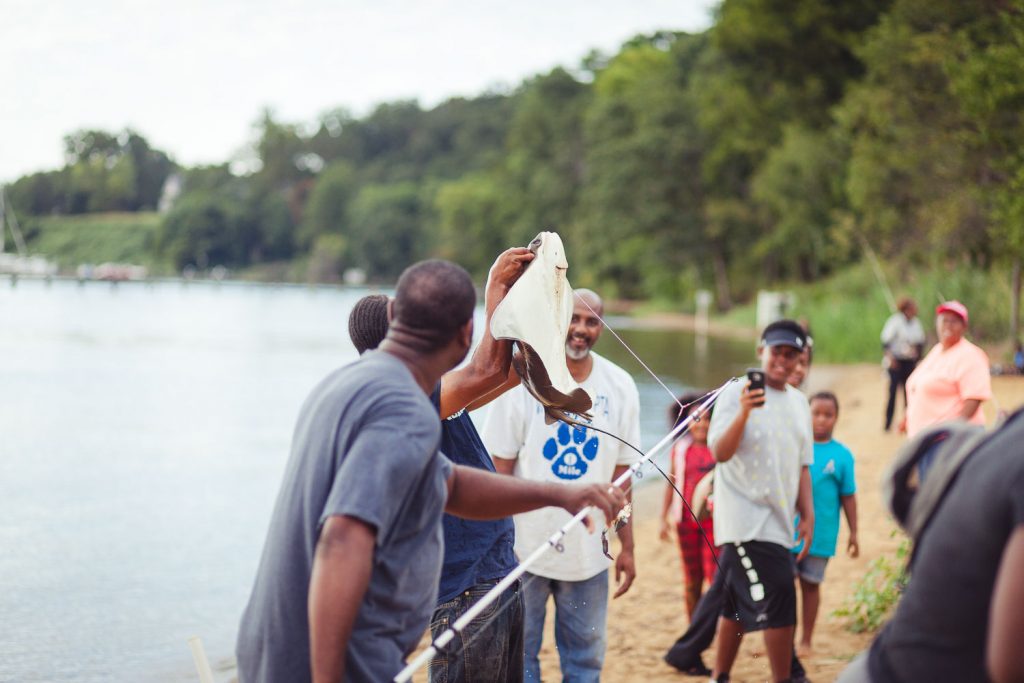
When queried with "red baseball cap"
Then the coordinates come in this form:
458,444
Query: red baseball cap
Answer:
953,306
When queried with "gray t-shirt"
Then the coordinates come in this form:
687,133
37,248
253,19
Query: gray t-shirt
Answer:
365,446
940,628
756,489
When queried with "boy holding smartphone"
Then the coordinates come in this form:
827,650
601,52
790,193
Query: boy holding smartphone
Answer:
762,441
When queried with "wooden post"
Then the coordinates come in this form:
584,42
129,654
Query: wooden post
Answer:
199,656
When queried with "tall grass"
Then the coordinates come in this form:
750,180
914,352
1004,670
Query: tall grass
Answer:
846,312
97,238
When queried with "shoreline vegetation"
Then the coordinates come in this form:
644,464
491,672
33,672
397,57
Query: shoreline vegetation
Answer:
845,312
836,150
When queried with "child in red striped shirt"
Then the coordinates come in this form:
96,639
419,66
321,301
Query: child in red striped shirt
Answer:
691,460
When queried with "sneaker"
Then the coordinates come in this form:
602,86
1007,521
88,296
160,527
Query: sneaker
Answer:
692,669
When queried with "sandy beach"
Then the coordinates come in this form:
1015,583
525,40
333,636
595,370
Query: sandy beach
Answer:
646,621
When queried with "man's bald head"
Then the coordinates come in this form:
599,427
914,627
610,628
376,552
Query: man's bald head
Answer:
592,299
433,300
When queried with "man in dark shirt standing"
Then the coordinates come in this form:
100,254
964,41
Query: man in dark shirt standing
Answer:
348,576
477,554
962,614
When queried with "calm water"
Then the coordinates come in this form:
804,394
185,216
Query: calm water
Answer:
143,432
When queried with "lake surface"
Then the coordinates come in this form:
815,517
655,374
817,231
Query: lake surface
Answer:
143,432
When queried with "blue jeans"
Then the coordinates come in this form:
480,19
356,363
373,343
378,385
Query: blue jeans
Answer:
490,648
580,611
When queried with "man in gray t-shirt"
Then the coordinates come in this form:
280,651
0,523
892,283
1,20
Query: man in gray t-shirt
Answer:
349,572
359,413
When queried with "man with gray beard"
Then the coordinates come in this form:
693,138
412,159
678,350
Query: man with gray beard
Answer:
524,445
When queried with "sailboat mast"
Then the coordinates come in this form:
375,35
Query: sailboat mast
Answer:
12,220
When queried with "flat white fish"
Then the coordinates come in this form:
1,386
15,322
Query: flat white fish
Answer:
535,314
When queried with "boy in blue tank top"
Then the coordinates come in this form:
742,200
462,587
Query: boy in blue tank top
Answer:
834,488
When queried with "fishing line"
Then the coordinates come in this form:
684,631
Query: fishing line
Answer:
682,408
621,341
481,629
670,483
438,644
679,493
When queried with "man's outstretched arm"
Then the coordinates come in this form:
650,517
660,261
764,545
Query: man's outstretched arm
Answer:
489,366
342,565
477,494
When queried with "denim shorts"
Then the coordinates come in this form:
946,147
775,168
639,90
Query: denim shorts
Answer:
811,569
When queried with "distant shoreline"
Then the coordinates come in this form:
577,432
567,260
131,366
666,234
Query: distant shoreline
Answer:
688,323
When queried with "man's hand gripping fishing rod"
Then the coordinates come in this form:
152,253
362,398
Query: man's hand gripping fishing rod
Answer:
554,542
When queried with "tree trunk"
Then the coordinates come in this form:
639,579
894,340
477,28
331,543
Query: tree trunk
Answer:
1015,302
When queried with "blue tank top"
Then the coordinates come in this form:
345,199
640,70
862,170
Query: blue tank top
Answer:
474,551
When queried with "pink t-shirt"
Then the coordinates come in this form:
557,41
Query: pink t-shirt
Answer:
937,389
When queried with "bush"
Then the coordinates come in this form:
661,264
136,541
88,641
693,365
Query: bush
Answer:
877,593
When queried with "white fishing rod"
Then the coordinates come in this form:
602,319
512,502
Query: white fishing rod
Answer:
554,542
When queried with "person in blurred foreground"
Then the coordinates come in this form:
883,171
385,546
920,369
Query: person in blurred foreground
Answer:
349,572
477,553
961,615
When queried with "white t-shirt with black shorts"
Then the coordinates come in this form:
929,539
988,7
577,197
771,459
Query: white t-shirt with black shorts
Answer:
755,503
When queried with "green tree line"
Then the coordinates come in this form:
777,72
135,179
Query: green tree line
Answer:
777,145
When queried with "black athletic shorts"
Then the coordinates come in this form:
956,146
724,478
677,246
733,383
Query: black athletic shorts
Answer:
759,585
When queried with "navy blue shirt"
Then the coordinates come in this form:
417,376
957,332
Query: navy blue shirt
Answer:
474,551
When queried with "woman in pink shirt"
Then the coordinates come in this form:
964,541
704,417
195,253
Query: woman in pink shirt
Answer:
952,380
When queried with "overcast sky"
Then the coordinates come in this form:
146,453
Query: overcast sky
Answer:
193,75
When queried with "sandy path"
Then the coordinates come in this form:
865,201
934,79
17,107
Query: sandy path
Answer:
647,620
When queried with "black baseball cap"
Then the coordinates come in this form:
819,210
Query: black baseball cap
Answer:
785,333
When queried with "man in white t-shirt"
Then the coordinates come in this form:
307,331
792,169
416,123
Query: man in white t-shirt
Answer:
522,444
763,443
903,340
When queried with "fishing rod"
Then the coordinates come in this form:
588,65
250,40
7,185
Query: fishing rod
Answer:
555,541
638,472
481,629
879,275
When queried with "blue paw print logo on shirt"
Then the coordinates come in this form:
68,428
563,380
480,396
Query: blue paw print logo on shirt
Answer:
570,451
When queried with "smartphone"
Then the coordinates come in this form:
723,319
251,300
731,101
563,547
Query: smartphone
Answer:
756,377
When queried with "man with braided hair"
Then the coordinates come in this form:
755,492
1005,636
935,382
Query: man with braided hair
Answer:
368,322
